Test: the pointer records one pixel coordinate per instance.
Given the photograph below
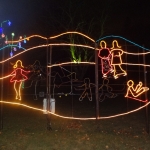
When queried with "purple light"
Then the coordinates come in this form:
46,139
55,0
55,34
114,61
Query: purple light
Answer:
11,54
19,44
9,23
15,49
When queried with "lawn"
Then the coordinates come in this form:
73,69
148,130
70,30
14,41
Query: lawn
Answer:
26,129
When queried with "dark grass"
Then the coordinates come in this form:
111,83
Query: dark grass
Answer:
26,129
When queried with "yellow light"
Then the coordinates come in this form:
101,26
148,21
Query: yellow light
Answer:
103,43
137,91
60,64
73,32
145,53
115,44
52,37
18,62
27,38
116,60
76,118
6,76
18,77
40,46
66,44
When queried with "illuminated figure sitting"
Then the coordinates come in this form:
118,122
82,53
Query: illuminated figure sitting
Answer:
105,91
138,90
105,55
18,77
116,60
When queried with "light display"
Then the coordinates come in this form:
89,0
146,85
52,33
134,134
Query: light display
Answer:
6,21
135,91
91,63
113,62
75,118
18,76
73,32
66,77
105,55
105,91
38,73
116,60
86,87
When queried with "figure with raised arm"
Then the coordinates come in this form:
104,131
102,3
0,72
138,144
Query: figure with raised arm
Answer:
18,77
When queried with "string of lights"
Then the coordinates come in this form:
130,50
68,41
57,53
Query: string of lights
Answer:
75,118
115,36
115,53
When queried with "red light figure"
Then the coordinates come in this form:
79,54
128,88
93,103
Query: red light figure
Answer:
105,55
18,77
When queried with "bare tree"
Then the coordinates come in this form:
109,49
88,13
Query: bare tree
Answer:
81,16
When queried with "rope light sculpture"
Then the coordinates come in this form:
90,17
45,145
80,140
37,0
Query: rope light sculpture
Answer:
38,74
105,56
18,76
135,91
87,89
105,91
116,60
60,80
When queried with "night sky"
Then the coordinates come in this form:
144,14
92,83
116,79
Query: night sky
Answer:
127,18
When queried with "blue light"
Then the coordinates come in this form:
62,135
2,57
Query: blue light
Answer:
19,44
114,36
11,54
9,23
25,41
11,46
1,30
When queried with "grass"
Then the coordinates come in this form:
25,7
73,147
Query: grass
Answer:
26,129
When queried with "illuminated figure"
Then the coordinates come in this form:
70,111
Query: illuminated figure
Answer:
105,55
18,77
116,60
138,90
87,90
61,79
105,91
37,75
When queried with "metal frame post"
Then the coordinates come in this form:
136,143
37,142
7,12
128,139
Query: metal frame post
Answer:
96,82
2,86
145,82
48,85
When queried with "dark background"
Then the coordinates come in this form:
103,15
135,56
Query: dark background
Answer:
128,18
97,18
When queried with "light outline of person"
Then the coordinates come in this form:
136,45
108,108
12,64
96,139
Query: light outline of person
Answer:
109,94
120,52
36,76
87,90
105,59
137,91
18,69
